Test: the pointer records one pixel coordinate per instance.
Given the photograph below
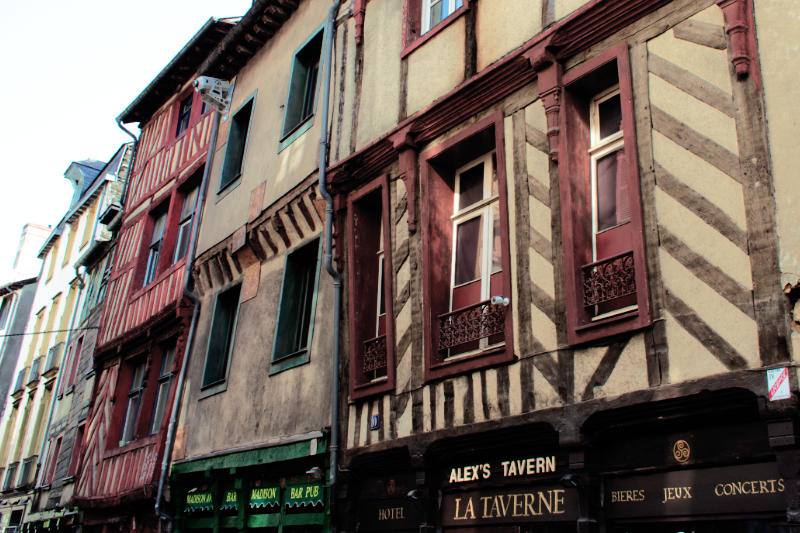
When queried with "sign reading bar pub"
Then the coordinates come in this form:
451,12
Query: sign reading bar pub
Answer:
509,506
733,489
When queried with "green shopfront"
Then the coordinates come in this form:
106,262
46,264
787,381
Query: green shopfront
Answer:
278,488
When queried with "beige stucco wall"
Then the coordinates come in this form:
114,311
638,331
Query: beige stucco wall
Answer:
267,77
501,30
380,85
247,412
777,25
436,67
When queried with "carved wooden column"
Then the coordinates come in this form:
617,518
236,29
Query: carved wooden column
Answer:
548,82
738,30
403,142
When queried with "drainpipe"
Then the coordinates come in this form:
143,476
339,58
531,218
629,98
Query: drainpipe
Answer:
337,280
133,160
61,369
191,296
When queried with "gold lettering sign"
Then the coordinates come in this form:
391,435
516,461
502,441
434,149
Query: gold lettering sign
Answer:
749,488
198,498
681,451
391,513
517,505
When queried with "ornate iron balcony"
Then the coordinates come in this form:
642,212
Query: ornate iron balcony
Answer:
609,279
471,323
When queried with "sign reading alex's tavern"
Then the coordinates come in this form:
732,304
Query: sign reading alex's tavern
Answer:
740,489
511,468
505,506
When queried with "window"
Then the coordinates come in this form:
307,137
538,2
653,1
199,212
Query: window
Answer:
237,142
52,460
371,324
74,361
185,224
134,402
303,85
220,342
77,449
296,312
606,275
11,474
101,289
184,115
426,17
435,11
154,250
5,308
465,251
162,392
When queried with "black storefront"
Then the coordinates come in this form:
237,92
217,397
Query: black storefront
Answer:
705,463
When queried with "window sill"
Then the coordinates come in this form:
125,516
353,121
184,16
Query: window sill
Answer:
222,192
467,363
286,362
371,388
158,279
425,37
213,389
294,134
132,445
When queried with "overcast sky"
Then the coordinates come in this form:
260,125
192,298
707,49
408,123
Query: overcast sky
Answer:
68,68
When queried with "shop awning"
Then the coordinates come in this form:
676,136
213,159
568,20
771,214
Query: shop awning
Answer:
198,501
305,496
263,497
230,501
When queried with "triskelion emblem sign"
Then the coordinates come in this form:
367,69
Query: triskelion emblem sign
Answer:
681,451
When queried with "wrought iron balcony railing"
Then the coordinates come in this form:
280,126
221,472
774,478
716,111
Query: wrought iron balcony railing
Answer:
471,323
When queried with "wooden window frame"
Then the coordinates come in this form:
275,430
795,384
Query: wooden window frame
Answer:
162,385
578,86
77,449
291,127
185,221
284,361
360,387
413,34
52,460
221,384
183,121
436,221
233,162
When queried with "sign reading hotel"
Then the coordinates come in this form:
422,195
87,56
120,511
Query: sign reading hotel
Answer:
511,468
743,489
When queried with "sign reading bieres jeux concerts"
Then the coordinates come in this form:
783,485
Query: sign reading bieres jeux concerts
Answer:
740,489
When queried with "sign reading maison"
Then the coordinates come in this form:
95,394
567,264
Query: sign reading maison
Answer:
511,468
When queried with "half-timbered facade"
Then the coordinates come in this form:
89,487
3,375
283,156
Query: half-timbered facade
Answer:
145,316
46,333
564,301
258,381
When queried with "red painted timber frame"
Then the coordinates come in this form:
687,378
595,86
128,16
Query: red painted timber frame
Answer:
358,388
435,367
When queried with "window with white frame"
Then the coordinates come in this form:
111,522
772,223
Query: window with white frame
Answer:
476,250
164,381
134,402
185,225
610,204
435,11
154,249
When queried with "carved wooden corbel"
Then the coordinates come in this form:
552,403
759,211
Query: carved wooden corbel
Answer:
359,11
737,28
548,72
406,148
